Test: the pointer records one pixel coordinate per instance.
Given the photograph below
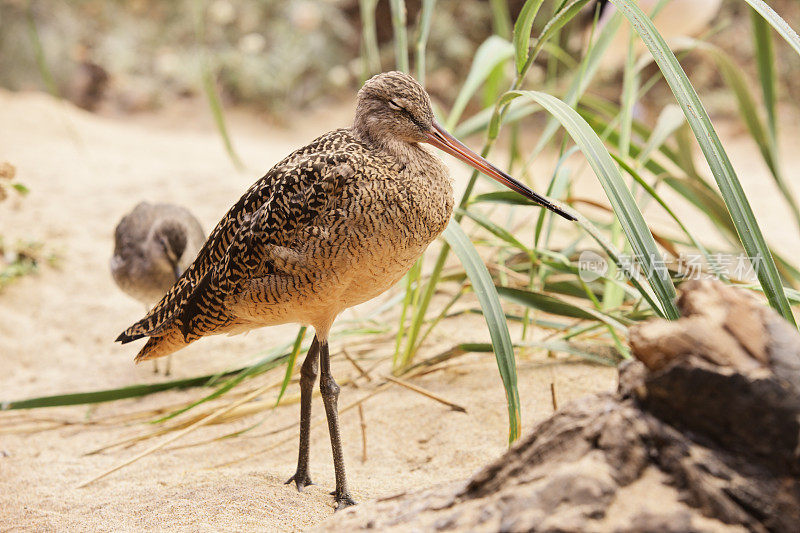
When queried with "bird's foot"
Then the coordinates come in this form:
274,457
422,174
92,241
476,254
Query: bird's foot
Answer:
343,501
301,480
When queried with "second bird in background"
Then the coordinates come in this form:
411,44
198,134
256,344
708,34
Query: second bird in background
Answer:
153,245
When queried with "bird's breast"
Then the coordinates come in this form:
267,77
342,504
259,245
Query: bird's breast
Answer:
388,224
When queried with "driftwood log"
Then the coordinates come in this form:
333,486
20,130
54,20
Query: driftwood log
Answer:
702,435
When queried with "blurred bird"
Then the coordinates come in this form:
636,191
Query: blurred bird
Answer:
153,245
333,225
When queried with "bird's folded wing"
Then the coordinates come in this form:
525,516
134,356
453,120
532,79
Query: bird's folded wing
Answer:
299,195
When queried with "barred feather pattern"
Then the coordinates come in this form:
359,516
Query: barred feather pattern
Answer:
333,224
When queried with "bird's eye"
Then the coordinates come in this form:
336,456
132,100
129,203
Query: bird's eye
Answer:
395,105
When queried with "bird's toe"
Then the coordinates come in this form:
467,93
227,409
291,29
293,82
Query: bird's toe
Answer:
301,481
344,501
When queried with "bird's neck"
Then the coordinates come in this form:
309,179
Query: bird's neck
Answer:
403,152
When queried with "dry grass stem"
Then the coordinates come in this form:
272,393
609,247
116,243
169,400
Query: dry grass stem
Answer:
173,438
363,424
357,366
426,393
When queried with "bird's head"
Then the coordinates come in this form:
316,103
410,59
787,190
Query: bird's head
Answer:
169,240
392,107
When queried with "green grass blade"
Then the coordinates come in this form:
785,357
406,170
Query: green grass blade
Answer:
298,343
501,18
502,197
38,52
425,17
749,232
557,306
522,32
774,20
588,69
219,117
210,90
495,320
398,8
495,230
765,61
491,53
619,195
371,63
275,358
554,25
669,120
108,395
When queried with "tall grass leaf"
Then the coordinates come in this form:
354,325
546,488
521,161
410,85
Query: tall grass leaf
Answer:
709,202
522,32
511,198
496,230
748,109
108,395
556,306
575,349
554,25
664,205
210,89
494,51
585,74
38,52
502,197
372,56
479,121
774,20
669,120
215,106
275,358
425,17
398,8
298,343
501,18
749,232
485,290
619,195
765,61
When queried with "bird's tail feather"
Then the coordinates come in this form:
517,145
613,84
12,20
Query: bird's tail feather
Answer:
163,345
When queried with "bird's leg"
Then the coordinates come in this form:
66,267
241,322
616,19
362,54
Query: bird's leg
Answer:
330,396
168,365
308,375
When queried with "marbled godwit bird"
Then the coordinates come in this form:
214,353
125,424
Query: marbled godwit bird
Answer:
333,225
153,245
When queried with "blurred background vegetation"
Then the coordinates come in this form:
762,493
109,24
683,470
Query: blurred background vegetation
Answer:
274,55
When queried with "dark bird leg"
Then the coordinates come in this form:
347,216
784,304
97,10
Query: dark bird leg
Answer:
308,375
330,395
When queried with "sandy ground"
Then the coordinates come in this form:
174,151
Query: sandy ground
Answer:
57,327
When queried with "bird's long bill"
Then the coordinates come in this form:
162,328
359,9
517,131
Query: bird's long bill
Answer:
441,139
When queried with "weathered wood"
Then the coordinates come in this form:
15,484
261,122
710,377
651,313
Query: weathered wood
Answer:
702,435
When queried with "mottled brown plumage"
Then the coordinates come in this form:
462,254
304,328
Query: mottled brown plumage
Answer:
334,224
